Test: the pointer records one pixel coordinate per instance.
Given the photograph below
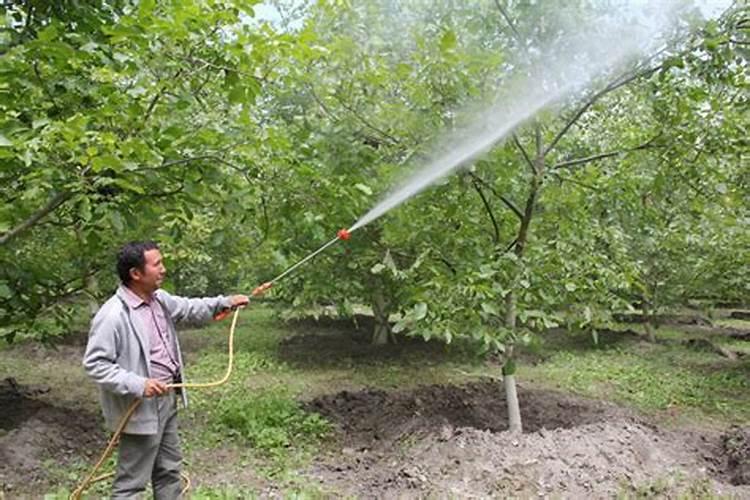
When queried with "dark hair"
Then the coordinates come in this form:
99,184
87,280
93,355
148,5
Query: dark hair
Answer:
132,255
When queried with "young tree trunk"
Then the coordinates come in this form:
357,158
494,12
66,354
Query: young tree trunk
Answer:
90,284
509,370
382,333
511,396
92,287
648,322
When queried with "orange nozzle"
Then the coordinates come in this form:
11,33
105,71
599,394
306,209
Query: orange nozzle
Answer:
343,234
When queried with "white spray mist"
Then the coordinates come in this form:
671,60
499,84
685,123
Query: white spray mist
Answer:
594,49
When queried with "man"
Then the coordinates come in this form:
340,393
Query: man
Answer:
133,352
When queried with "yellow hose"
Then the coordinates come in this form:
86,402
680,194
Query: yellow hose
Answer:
91,479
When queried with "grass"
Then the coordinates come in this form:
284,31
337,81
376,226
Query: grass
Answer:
675,486
251,434
257,414
652,377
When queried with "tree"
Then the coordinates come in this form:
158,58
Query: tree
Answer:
120,119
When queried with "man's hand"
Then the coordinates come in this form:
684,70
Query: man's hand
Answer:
239,300
154,388
260,290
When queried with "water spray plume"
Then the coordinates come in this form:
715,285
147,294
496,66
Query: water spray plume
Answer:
567,67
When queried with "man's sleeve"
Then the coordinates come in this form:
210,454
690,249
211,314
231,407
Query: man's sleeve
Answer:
184,310
100,359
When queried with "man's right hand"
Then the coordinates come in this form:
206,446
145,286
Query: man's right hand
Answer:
154,388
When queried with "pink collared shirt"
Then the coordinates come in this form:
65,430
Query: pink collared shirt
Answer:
163,360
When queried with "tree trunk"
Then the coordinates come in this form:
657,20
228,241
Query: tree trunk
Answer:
648,322
514,410
510,310
90,284
382,331
509,370
91,289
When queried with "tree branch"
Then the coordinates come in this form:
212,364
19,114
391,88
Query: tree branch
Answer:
322,105
601,156
488,208
502,198
574,181
508,20
172,163
524,153
51,206
617,83
359,117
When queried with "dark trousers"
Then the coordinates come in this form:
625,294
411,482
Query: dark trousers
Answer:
154,457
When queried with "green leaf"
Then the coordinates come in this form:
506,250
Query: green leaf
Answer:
448,41
420,311
489,308
4,142
377,268
105,162
39,123
365,189
237,94
48,34
84,209
129,186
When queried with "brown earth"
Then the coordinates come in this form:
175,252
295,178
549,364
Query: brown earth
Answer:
37,437
439,440
451,441
430,441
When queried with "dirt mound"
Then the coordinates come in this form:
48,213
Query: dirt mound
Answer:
452,441
35,436
736,445
371,417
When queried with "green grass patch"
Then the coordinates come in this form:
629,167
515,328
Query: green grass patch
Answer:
271,421
655,377
740,324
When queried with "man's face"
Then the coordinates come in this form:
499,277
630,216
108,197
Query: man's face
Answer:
151,277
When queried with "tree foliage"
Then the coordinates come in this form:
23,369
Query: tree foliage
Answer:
243,147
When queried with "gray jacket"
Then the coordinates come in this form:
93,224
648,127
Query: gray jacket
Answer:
117,354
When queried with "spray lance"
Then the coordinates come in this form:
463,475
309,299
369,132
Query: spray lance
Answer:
342,234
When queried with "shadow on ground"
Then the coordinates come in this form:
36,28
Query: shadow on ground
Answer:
331,342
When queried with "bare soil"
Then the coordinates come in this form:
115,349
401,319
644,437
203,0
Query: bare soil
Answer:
428,441
37,437
438,440
452,441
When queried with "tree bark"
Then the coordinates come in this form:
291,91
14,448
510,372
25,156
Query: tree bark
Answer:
514,410
509,368
382,331
648,322
91,287
51,206
537,166
515,424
